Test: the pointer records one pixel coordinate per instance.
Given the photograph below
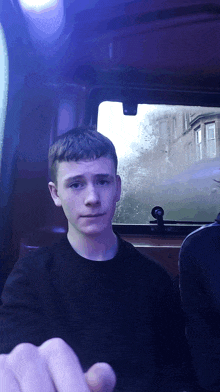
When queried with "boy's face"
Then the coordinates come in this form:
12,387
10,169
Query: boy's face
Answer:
88,192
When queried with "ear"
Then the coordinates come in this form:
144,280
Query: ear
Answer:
118,189
54,194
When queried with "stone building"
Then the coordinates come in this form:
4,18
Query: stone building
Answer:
184,136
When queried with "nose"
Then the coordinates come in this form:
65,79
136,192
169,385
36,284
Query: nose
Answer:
92,196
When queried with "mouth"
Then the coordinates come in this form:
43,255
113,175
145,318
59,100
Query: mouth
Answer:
92,215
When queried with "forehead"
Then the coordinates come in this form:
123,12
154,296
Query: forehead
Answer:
85,168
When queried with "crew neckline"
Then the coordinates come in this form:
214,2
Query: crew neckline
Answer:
114,259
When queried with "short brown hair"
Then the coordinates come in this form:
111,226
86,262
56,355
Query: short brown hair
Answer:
79,144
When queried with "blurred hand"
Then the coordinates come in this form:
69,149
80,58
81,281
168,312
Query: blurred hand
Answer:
101,378
52,367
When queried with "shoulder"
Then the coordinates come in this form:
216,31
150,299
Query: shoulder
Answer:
34,272
152,281
202,237
145,267
41,259
200,247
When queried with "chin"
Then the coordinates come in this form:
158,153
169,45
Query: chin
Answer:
94,230
91,233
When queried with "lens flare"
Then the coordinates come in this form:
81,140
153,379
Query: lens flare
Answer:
37,5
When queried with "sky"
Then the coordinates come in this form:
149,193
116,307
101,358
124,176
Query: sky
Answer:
121,130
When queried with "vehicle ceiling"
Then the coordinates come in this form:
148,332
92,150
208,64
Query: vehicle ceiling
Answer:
127,48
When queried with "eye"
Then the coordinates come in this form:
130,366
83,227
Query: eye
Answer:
76,185
103,182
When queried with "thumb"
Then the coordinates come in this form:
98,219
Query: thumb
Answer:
100,378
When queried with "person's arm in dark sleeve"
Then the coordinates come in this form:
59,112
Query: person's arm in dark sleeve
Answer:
21,315
176,370
202,318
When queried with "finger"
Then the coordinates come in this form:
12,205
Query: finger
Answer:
8,382
63,366
28,369
101,378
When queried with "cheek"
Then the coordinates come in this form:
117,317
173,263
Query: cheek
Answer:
110,201
75,203
69,205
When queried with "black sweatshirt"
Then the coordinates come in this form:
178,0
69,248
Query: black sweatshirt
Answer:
123,311
200,292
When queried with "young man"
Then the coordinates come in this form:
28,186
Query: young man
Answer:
199,262
92,296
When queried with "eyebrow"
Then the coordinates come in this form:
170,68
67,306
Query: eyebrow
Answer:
80,177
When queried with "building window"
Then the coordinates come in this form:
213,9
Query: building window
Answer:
174,127
163,130
189,153
186,121
198,139
210,140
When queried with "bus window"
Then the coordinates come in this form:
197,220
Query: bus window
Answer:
168,156
3,86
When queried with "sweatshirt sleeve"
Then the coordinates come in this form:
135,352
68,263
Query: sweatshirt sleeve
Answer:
21,315
176,372
202,313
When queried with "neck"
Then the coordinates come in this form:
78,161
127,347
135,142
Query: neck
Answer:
98,247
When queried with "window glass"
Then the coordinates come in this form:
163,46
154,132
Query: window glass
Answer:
65,117
3,86
168,156
210,140
198,136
